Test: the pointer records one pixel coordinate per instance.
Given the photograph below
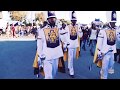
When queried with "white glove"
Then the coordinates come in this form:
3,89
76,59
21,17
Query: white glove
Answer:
65,46
100,56
39,62
42,57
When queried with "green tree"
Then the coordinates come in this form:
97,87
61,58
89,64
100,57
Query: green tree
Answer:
18,15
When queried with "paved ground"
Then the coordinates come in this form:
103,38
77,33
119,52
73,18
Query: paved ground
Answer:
20,38
16,59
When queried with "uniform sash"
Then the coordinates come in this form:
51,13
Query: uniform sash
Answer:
78,49
35,63
99,63
36,67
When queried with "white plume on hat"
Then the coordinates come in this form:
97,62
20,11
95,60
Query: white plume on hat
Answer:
111,16
73,15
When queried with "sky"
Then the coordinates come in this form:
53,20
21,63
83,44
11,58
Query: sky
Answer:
86,16
83,16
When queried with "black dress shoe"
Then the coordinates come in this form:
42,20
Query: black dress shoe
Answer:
119,62
68,69
115,60
92,54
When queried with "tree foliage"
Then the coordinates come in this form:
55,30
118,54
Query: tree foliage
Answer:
40,16
65,21
18,15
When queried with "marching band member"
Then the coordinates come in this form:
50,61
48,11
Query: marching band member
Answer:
117,45
63,35
74,32
106,45
38,63
49,46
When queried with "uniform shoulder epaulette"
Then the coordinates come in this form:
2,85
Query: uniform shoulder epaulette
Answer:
56,25
117,27
47,26
38,29
61,28
102,29
62,33
69,25
76,24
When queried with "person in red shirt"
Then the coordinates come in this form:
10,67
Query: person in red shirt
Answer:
13,31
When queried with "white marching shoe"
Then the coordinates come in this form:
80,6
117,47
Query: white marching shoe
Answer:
111,71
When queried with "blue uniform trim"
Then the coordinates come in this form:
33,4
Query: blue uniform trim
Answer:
39,38
62,33
100,37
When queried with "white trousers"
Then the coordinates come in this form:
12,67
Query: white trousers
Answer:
107,65
50,68
71,56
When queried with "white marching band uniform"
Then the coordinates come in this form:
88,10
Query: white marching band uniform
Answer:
72,37
72,48
63,34
49,45
52,54
106,41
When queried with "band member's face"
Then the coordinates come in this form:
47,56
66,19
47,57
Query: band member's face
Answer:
52,20
112,24
73,22
93,26
63,25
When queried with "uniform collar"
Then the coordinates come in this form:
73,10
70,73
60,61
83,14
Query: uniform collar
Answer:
112,28
52,27
63,28
74,25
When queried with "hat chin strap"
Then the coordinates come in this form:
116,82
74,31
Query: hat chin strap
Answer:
110,26
51,24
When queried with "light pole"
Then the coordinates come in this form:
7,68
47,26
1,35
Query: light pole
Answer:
31,17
